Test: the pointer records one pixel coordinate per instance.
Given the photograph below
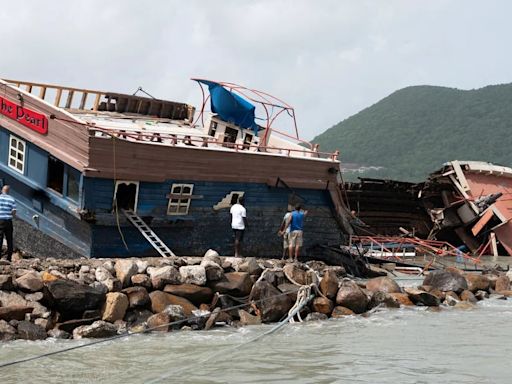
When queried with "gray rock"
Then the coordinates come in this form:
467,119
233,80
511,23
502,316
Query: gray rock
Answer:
30,281
125,269
247,319
446,281
29,331
141,280
142,266
316,316
36,296
72,299
137,296
58,334
251,266
193,274
214,271
6,283
273,305
163,275
175,312
213,256
109,266
199,318
98,329
7,331
99,287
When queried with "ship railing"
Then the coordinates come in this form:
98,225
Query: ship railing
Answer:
205,141
75,98
88,100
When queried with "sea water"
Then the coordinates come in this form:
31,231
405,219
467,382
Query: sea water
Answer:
407,345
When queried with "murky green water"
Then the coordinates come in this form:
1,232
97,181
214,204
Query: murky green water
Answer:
396,346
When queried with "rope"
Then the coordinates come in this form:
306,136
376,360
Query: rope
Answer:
128,334
294,311
116,209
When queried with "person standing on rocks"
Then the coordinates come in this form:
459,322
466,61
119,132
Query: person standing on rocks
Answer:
296,223
284,230
238,224
7,212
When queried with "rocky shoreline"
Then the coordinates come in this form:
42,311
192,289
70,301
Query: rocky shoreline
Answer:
97,298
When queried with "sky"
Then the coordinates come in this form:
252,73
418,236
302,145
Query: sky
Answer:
328,59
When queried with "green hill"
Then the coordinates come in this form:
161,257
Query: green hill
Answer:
413,131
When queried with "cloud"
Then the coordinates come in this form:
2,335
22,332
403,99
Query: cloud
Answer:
329,58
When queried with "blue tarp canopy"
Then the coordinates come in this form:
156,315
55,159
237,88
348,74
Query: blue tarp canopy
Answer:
230,107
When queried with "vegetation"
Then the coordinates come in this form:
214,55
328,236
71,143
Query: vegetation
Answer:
412,132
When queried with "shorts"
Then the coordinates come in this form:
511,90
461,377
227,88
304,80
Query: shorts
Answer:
286,240
295,239
239,234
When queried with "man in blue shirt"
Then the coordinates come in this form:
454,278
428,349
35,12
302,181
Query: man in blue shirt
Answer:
7,211
296,223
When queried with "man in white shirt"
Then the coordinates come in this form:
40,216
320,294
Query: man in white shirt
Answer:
238,224
284,230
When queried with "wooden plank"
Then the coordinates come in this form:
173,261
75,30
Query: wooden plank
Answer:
484,219
70,99
494,245
42,93
96,102
83,100
58,95
460,176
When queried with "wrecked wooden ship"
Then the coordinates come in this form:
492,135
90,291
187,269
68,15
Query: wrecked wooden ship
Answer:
104,174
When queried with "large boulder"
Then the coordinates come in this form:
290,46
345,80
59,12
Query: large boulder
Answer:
194,293
7,331
213,270
159,322
420,297
329,284
163,275
273,305
30,281
384,299
322,305
234,284
383,284
103,276
99,329
141,280
251,266
137,296
6,283
160,300
247,319
477,282
30,331
125,269
14,312
502,283
447,280
402,298
213,256
193,274
72,299
351,296
340,311
115,307
299,274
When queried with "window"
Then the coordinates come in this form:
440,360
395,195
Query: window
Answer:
55,175
179,200
17,154
230,135
213,128
247,140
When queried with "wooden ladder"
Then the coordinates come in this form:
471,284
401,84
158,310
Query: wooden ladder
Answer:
148,233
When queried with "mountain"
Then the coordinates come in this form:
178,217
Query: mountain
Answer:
413,131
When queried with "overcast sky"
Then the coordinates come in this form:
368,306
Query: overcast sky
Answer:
329,59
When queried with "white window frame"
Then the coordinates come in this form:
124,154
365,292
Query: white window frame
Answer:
180,203
17,152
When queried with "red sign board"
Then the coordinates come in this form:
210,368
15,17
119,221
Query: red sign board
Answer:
30,119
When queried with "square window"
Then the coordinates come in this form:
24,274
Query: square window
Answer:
179,202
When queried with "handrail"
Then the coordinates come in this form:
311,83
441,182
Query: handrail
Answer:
186,139
72,92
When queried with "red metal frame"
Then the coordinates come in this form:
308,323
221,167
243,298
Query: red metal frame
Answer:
265,100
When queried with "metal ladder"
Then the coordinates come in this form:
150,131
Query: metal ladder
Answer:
150,236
